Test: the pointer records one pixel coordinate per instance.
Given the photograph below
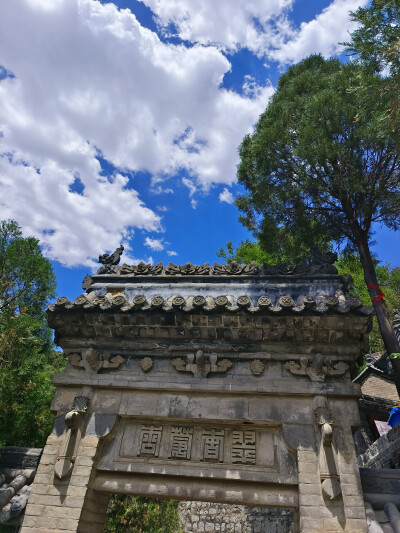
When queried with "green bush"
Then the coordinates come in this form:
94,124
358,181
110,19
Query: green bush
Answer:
128,514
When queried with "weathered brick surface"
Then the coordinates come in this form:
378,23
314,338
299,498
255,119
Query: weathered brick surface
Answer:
384,452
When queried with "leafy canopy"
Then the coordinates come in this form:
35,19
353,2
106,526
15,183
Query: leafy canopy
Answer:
27,358
316,169
377,40
376,44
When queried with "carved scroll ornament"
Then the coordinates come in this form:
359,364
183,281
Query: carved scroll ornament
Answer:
317,369
200,365
93,361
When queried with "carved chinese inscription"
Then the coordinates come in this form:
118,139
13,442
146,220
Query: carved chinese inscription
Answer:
212,445
150,439
181,442
244,447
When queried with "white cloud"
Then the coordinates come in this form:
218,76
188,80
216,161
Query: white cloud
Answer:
190,185
160,190
193,203
321,35
74,228
226,196
171,253
162,208
90,78
227,24
157,245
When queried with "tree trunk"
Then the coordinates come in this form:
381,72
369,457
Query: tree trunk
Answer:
382,313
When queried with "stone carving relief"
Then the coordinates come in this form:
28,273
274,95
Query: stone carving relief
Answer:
317,368
330,481
146,364
188,269
320,263
198,442
235,269
201,365
93,361
141,269
110,260
257,367
74,423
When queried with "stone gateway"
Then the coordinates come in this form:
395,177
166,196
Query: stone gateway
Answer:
226,384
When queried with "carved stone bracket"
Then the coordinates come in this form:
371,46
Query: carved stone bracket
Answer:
317,368
201,365
330,481
93,361
74,423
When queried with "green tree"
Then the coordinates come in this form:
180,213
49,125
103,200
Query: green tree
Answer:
316,165
376,43
27,358
127,514
388,280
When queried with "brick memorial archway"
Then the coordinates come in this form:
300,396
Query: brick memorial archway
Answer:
224,384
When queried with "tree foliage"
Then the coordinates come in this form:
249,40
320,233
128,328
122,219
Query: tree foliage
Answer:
376,44
27,357
318,166
127,514
313,167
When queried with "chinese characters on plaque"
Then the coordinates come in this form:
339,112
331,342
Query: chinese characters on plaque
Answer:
181,443
150,440
213,444
244,447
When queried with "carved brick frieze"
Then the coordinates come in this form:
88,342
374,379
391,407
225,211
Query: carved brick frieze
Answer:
93,361
200,365
317,368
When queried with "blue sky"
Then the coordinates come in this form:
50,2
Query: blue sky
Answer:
120,122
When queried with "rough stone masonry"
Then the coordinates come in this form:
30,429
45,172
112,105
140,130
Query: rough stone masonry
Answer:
226,384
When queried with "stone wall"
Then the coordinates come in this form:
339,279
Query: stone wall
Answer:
384,452
211,517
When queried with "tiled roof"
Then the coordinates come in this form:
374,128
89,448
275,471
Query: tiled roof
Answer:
17,471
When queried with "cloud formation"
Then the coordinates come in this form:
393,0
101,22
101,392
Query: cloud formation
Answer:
321,35
90,80
233,24
157,245
226,196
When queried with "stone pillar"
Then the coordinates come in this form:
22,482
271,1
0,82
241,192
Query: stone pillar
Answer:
69,504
